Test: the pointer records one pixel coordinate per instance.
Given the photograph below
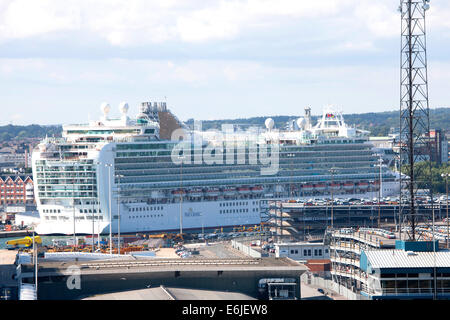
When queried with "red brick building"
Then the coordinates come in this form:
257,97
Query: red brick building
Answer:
16,189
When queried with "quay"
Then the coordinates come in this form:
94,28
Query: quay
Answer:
17,233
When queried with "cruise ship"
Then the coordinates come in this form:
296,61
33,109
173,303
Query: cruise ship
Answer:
152,173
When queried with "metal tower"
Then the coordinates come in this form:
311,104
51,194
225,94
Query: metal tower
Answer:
414,109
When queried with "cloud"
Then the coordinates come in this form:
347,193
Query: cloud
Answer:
139,22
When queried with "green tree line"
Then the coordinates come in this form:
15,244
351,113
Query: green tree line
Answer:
422,170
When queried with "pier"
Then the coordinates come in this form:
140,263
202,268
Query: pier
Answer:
18,233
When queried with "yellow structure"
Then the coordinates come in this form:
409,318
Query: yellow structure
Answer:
27,241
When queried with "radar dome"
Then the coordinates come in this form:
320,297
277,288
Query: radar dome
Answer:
301,122
123,107
105,107
269,123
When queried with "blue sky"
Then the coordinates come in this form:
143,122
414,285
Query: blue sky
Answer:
215,59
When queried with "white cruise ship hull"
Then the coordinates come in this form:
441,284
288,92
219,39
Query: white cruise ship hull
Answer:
166,217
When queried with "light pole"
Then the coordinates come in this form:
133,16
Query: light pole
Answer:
73,205
35,265
109,165
181,194
380,162
118,212
98,163
93,214
332,171
446,192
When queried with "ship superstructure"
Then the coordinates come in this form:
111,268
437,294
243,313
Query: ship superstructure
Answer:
158,175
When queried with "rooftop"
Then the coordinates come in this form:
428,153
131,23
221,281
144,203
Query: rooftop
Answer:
405,259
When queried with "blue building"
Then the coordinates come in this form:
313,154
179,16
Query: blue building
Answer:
413,270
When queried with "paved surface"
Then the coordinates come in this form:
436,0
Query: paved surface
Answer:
7,256
220,250
166,253
160,293
309,292
195,294
144,294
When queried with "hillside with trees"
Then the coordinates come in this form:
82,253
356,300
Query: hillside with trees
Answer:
378,123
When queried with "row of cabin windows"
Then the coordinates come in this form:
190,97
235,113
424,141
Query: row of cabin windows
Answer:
235,211
148,216
90,210
145,209
242,203
53,211
308,252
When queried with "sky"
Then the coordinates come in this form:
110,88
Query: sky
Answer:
215,59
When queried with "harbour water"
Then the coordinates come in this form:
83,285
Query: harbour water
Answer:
46,240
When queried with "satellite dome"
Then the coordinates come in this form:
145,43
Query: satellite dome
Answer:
123,107
269,123
105,107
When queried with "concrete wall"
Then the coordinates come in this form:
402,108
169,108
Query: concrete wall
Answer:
248,250
309,278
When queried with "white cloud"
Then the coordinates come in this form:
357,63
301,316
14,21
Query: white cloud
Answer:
138,22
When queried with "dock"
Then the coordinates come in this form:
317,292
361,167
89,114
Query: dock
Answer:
17,233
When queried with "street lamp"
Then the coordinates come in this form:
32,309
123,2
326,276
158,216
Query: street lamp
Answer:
181,193
93,213
380,162
332,171
74,218
98,163
118,176
109,165
446,175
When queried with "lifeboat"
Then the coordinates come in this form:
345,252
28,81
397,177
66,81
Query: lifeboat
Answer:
178,192
349,185
363,185
319,187
213,192
307,187
257,189
335,186
243,190
196,192
229,191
